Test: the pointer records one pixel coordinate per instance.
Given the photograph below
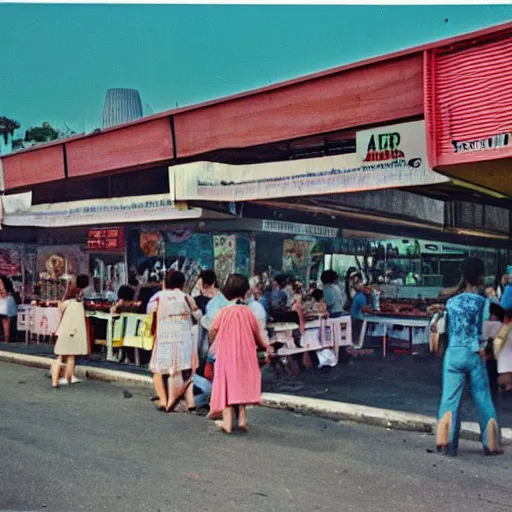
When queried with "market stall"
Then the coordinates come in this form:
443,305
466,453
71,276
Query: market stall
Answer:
323,336
403,325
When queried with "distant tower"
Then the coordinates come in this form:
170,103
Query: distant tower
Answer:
121,106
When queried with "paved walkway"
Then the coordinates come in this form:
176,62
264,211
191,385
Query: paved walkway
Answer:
402,383
90,448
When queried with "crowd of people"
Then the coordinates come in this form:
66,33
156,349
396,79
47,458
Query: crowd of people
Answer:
214,369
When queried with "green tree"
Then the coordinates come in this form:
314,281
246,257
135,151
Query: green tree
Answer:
8,127
44,133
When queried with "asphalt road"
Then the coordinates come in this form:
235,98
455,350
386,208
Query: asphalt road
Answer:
87,447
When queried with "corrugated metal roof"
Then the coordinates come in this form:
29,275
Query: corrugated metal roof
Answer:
486,32
469,93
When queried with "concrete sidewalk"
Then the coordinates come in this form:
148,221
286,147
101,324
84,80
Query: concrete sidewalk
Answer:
399,393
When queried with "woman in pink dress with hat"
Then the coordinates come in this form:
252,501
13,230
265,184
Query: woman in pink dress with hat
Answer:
236,336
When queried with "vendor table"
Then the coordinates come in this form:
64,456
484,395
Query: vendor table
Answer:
330,333
109,318
44,321
41,321
386,321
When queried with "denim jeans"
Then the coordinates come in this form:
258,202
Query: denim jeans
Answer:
202,399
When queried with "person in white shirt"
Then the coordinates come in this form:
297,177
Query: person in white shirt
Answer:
8,309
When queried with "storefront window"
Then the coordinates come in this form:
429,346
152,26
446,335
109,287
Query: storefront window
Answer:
413,267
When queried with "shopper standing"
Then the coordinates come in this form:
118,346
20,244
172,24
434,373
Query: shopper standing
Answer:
237,378
175,351
208,287
462,361
71,334
333,295
357,306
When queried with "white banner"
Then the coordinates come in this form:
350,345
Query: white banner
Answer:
388,157
98,211
15,203
291,228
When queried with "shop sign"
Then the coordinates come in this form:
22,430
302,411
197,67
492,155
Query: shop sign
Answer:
386,157
290,228
400,146
101,211
501,141
106,240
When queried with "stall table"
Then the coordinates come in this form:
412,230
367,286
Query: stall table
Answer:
330,333
110,319
389,320
38,320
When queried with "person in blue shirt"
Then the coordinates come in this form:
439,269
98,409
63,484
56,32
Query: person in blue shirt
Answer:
357,308
462,361
490,294
278,297
506,300
358,303
332,293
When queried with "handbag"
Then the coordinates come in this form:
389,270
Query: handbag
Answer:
438,341
195,314
501,339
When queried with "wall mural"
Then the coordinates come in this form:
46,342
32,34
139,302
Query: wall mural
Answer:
224,252
151,254
243,262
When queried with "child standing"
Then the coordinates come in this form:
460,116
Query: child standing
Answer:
72,331
237,377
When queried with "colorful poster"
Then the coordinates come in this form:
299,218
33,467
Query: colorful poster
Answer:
153,252
16,265
224,252
252,254
297,258
243,255
11,261
150,244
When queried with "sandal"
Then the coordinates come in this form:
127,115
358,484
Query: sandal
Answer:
159,406
221,426
179,396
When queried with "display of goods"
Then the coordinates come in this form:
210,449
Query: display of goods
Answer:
98,306
407,308
45,303
434,308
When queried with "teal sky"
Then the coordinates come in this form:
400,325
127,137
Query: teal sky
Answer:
57,61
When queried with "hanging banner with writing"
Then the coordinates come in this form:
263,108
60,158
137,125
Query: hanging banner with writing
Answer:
99,211
386,157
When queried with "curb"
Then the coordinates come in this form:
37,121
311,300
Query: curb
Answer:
388,418
82,372
327,409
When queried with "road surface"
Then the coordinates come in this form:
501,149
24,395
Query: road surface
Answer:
87,447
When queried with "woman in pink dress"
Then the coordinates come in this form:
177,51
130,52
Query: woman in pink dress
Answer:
237,377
